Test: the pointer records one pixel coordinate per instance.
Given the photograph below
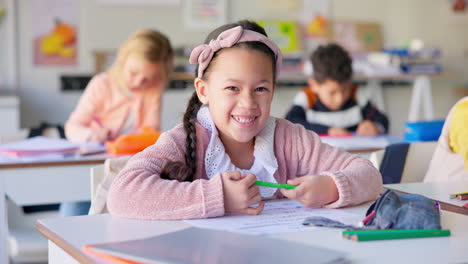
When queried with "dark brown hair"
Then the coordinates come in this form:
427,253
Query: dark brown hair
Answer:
176,170
331,62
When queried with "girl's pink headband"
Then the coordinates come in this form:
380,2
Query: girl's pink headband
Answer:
203,54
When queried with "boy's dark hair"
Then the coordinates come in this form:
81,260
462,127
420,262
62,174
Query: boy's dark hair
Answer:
331,62
177,170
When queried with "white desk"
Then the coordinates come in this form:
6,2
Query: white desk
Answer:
66,239
361,144
437,191
42,182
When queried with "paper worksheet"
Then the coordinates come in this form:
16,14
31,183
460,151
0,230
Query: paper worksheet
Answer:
277,217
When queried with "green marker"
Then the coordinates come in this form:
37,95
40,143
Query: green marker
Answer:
274,185
384,234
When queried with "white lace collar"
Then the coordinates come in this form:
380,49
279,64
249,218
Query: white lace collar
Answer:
218,161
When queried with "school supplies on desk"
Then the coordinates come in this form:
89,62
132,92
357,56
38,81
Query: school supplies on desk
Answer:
38,146
423,130
98,122
277,217
133,143
90,148
195,245
274,185
455,195
367,218
385,234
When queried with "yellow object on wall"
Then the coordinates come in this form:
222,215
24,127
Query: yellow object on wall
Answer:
51,44
56,42
284,33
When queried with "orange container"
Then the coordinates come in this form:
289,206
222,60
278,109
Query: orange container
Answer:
133,143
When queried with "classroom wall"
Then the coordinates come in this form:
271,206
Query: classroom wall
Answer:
8,67
104,27
3,47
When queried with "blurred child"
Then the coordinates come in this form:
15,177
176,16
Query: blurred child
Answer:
207,166
127,96
328,105
124,99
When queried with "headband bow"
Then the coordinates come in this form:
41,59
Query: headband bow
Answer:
203,54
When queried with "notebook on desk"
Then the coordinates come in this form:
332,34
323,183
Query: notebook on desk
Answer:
38,146
195,245
43,146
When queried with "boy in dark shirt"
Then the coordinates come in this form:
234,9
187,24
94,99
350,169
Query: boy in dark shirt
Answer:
328,105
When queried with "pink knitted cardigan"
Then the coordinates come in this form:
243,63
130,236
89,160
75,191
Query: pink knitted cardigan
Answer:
139,192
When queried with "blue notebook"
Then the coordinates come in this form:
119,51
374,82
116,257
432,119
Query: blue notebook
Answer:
196,245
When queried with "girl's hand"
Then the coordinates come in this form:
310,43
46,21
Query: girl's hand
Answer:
367,128
101,135
240,193
312,190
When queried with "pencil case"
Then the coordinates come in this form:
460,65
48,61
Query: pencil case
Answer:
391,211
408,211
133,143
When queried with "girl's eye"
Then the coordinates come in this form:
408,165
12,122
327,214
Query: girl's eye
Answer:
232,88
261,89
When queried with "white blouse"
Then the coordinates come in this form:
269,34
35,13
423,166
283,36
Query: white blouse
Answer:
218,161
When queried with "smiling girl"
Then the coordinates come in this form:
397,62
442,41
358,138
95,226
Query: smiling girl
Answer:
207,166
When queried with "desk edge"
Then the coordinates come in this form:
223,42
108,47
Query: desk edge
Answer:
67,247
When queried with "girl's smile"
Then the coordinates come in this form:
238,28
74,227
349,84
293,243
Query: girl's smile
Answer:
245,120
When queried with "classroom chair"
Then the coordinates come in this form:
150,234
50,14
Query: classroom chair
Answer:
403,162
453,168
101,180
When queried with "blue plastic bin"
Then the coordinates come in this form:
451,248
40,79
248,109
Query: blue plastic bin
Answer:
424,130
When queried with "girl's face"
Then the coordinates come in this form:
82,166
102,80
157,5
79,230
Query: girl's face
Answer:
139,74
238,90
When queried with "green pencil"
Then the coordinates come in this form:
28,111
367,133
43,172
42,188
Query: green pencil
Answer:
274,185
384,234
